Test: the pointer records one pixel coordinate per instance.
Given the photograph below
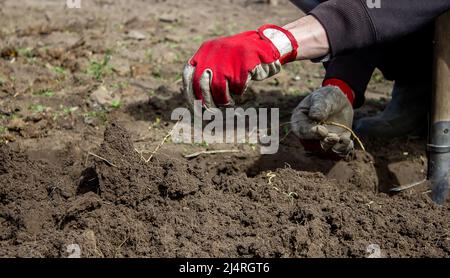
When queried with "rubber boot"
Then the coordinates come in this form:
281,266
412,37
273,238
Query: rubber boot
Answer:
405,115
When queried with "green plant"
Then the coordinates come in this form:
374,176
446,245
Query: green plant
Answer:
25,52
37,108
69,110
217,31
116,104
120,85
198,39
251,145
64,112
3,129
178,77
45,93
149,55
101,115
295,91
203,144
59,70
99,69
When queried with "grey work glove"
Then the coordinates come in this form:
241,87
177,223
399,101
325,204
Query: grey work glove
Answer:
325,105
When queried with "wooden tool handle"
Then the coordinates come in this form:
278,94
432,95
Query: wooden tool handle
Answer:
441,98
439,137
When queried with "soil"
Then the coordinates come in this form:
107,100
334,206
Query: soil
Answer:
86,96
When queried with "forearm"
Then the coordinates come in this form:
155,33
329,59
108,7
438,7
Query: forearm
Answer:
355,24
339,26
311,37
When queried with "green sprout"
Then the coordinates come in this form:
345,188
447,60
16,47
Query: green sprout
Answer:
198,39
101,115
149,55
116,104
99,69
45,93
69,110
203,144
120,85
59,70
37,108
25,52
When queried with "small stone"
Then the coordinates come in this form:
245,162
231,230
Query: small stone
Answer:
173,38
136,35
102,96
168,18
121,66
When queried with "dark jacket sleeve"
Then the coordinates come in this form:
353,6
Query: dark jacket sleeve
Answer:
355,24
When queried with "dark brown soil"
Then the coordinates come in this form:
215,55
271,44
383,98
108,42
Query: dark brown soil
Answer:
121,206
70,171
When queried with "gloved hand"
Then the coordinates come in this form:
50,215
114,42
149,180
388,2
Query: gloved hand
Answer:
309,120
223,67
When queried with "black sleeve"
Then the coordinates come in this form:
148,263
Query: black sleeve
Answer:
355,24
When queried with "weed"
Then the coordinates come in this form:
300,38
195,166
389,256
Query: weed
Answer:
45,93
99,69
64,112
178,76
116,104
59,70
3,129
101,115
25,52
37,108
149,55
203,144
296,92
217,31
120,85
198,39
69,110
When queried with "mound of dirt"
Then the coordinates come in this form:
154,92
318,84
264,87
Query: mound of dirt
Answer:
120,206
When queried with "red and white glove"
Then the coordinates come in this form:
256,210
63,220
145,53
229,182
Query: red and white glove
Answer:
224,67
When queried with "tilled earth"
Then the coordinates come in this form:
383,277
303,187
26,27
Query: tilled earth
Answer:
86,95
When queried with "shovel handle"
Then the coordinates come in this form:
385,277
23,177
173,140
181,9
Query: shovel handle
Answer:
441,101
439,137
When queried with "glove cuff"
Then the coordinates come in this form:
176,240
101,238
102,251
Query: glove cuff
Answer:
282,39
345,88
